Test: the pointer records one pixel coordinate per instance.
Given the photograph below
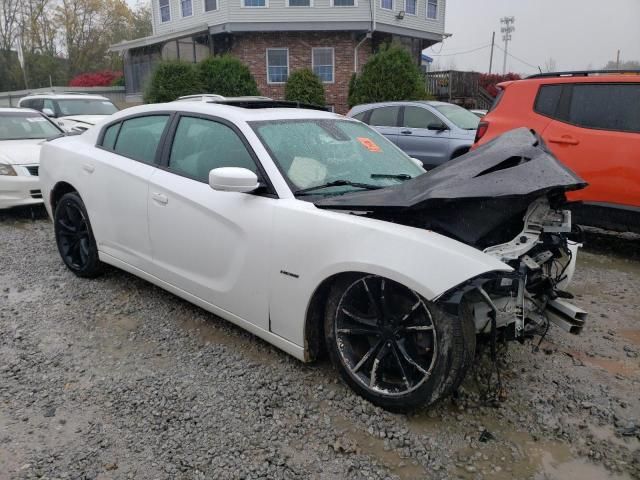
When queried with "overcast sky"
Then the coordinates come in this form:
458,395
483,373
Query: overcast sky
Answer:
575,33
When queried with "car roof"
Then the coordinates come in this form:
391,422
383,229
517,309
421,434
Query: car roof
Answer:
234,114
65,96
402,102
18,110
578,77
369,106
215,96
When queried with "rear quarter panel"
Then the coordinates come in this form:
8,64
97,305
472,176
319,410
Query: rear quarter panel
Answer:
515,110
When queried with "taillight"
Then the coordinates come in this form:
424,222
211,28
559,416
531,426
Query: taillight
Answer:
482,129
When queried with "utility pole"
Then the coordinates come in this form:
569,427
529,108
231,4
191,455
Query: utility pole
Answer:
493,42
618,61
507,30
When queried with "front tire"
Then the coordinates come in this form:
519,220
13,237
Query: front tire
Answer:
390,345
76,243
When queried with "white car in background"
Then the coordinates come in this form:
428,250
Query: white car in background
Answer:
74,112
313,231
22,132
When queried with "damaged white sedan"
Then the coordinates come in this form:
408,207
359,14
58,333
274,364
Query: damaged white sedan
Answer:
316,233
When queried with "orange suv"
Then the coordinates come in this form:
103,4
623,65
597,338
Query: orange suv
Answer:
591,122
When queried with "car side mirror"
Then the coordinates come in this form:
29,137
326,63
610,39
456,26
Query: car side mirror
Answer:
48,112
233,179
437,126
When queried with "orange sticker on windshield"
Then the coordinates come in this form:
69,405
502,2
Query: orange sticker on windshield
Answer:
369,144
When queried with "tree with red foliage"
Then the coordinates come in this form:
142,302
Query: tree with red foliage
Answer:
489,81
105,78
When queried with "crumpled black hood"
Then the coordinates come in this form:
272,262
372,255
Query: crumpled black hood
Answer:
479,199
512,165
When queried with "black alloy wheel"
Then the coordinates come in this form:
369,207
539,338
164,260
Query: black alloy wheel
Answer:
389,344
74,237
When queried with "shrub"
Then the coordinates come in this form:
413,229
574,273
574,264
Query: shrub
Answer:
104,78
170,80
118,82
304,86
391,74
226,75
489,81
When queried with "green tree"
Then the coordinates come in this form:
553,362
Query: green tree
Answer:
304,86
226,75
170,80
391,74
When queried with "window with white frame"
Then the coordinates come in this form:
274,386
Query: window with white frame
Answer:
300,3
165,11
255,3
323,61
186,7
344,3
432,8
277,65
410,7
386,4
210,5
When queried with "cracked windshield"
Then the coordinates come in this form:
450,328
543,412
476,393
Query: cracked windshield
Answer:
329,157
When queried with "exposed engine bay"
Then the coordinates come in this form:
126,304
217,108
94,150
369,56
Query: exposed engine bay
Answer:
506,198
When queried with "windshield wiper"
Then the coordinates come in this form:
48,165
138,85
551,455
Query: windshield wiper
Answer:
397,176
337,183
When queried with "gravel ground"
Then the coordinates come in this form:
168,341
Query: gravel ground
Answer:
114,378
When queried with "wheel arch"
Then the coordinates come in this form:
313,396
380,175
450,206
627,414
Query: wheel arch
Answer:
314,346
458,152
58,191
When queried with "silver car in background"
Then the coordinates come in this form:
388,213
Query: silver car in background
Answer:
432,132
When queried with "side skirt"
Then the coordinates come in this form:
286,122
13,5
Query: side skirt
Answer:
609,216
283,344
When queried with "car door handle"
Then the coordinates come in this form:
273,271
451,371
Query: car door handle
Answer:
406,132
87,167
564,140
160,198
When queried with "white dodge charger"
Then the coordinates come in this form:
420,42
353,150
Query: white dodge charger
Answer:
316,233
22,133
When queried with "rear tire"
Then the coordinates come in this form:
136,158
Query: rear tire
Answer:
74,237
390,345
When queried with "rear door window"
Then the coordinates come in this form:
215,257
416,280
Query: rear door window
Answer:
548,100
606,106
139,137
360,116
109,139
385,116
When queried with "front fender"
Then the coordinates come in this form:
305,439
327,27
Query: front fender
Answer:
311,245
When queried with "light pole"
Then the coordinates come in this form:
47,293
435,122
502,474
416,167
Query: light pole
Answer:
506,30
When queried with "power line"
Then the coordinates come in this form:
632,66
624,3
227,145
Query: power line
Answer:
535,67
461,53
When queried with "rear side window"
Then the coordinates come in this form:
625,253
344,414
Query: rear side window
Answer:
548,100
385,117
109,139
139,137
360,116
606,106
496,100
